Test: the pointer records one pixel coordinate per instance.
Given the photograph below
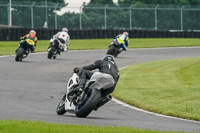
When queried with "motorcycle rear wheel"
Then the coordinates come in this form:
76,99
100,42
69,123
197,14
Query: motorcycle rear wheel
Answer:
88,104
118,52
112,51
51,52
19,54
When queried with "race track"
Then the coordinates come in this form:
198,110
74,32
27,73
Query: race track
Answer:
31,90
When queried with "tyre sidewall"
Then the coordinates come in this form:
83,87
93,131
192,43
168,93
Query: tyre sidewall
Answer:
50,53
112,50
19,54
91,103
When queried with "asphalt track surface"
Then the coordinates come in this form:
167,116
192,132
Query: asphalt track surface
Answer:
32,89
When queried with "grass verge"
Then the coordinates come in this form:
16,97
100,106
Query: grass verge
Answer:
14,126
169,87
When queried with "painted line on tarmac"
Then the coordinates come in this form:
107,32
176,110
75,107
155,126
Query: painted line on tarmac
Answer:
29,54
148,112
106,49
164,48
47,52
6,56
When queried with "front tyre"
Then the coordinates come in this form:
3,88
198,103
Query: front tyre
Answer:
61,107
89,103
19,54
51,52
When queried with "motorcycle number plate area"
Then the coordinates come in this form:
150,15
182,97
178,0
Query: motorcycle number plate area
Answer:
31,42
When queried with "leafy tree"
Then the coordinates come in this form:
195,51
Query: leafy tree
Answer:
94,18
55,1
181,2
21,15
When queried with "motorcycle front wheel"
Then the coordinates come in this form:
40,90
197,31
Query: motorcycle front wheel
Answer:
19,54
88,104
51,52
61,107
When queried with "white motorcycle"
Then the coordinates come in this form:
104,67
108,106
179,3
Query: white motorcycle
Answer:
55,48
83,102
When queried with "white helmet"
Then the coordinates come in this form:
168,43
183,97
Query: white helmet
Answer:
125,33
65,29
32,32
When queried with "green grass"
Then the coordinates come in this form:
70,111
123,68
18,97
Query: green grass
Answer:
169,87
164,42
9,47
14,126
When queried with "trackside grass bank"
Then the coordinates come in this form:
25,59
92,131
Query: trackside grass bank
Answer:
14,126
169,87
9,47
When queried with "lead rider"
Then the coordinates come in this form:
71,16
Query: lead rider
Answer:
123,39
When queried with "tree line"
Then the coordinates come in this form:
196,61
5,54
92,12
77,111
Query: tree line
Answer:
107,15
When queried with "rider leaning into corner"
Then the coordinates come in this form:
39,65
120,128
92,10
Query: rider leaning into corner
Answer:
29,40
63,37
123,39
105,66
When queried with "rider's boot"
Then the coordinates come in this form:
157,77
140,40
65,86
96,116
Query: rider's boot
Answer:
81,84
72,94
58,51
65,49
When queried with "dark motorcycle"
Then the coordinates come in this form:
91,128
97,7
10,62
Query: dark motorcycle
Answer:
83,102
115,48
22,52
54,49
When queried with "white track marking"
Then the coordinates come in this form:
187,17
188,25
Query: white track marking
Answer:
148,112
104,49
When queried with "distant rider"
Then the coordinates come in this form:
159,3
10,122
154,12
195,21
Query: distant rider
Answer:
122,39
105,66
63,37
29,40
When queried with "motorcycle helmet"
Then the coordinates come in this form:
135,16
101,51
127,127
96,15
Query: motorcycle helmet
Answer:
32,32
109,58
65,29
125,33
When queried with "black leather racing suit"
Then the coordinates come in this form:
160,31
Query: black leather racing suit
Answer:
107,67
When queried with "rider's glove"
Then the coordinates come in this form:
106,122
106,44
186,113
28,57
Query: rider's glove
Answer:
21,38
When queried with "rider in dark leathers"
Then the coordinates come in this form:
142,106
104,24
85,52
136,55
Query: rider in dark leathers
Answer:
106,66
